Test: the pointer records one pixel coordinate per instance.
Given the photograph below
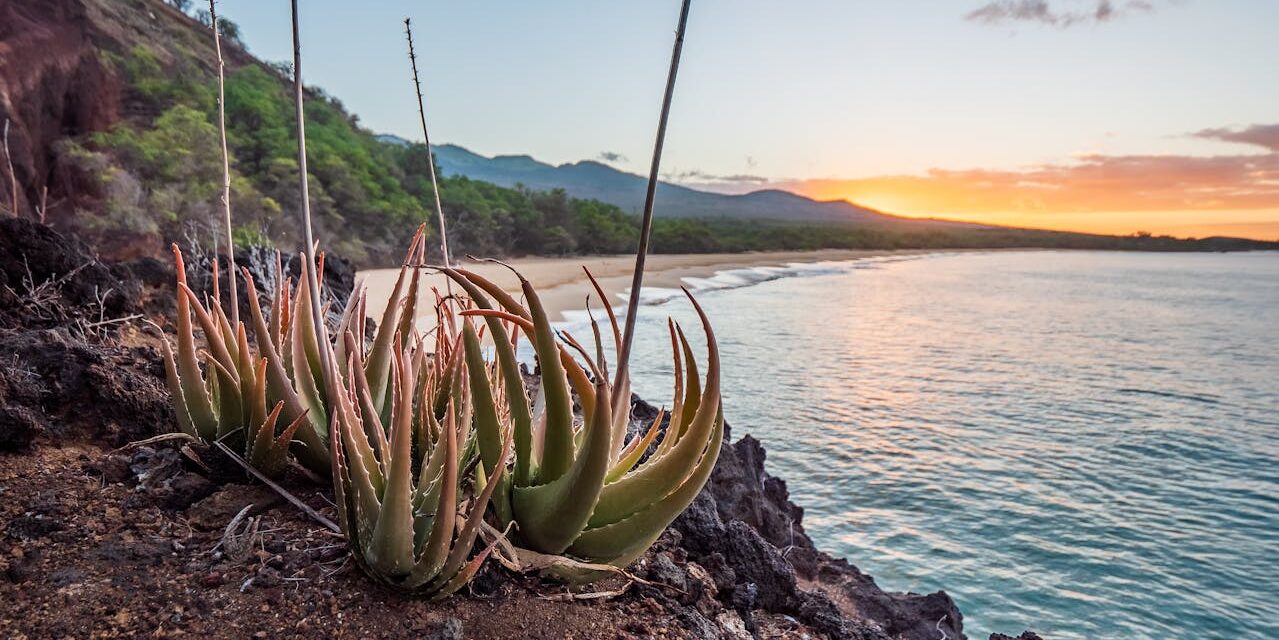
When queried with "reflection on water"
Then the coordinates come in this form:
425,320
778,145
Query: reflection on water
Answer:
1085,444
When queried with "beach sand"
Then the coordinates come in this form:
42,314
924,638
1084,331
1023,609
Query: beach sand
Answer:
563,286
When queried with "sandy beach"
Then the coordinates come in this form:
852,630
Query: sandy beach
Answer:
563,286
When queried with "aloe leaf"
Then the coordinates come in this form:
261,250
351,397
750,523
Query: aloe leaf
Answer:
677,410
633,451
661,474
516,395
692,389
378,362
435,552
470,529
226,395
620,543
303,351
373,426
314,450
551,515
622,381
199,404
390,550
504,299
174,383
366,476
557,452
259,450
213,336
488,431
428,484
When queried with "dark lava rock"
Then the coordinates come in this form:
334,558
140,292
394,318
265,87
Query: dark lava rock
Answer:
43,272
750,538
33,526
64,577
214,512
163,481
450,629
1025,635
65,387
267,578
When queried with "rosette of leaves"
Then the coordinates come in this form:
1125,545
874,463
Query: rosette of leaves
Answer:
280,368
227,399
397,475
580,490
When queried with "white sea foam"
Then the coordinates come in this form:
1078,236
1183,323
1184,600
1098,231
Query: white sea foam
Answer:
731,279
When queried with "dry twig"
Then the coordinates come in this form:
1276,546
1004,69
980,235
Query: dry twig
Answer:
315,515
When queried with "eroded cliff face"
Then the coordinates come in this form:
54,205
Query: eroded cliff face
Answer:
53,84
61,81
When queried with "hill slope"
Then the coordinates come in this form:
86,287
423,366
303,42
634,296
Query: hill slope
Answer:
112,106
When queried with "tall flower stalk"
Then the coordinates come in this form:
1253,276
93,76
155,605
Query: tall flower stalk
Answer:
232,286
426,140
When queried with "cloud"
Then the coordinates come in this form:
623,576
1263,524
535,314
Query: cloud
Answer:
1001,12
701,177
611,156
1261,135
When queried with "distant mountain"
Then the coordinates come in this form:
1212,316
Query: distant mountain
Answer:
392,139
589,179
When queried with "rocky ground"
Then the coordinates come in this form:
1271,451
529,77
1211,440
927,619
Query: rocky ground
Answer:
103,537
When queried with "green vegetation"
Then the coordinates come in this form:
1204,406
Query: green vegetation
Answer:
159,173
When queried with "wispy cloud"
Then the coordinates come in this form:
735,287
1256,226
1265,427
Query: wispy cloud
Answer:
701,177
611,156
1000,12
1261,135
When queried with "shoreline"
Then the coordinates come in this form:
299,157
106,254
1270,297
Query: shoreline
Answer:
564,288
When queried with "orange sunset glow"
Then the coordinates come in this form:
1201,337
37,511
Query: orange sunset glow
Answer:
1236,195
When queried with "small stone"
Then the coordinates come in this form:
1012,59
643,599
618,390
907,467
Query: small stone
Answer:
267,578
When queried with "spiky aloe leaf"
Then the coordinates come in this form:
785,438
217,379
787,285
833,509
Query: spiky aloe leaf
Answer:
378,361
557,452
508,367
662,474
312,449
390,548
187,375
551,515
304,361
620,543
634,450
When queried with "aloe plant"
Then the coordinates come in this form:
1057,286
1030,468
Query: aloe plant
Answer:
280,369
396,471
228,399
583,491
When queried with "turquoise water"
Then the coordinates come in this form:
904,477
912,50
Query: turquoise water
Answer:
1084,444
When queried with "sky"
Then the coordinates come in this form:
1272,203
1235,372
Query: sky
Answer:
1112,116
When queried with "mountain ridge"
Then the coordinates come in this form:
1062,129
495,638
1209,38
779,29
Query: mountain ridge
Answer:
595,180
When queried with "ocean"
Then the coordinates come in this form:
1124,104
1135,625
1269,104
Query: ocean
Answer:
1085,444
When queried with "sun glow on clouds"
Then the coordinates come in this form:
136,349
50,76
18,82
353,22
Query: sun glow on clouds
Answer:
1179,195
